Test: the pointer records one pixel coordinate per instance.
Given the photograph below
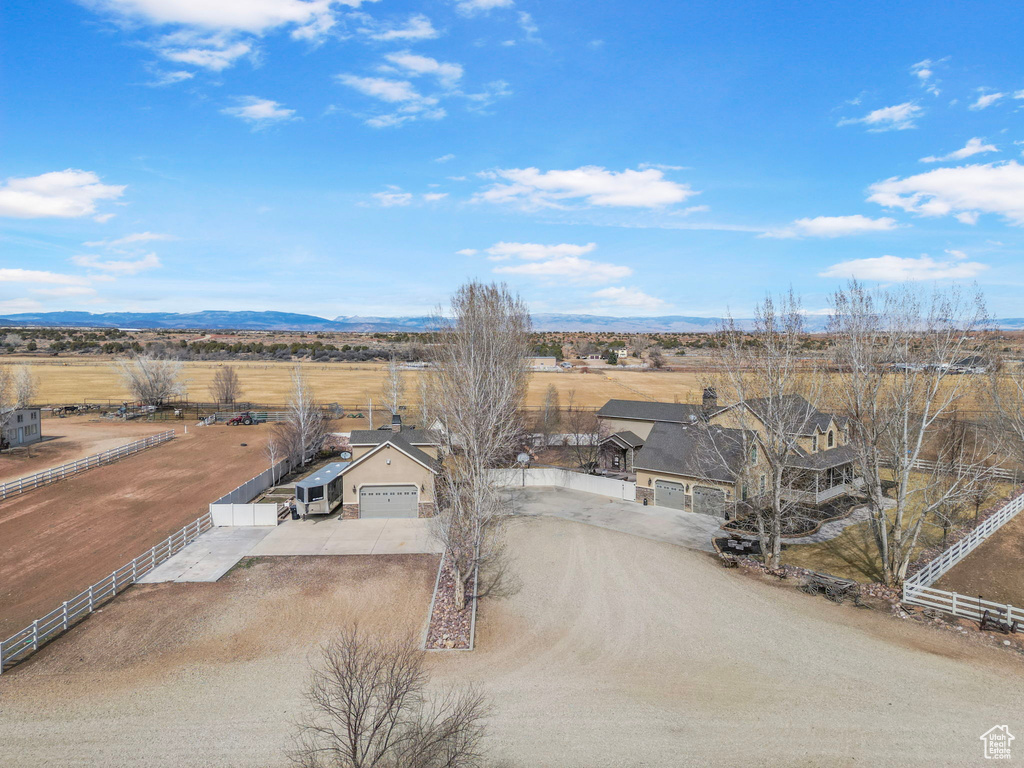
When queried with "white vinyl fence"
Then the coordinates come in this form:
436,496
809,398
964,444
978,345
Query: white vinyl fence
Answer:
564,478
233,508
917,589
54,474
23,644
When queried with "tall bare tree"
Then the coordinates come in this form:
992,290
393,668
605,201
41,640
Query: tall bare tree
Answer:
761,371
550,412
369,707
150,379
478,388
583,432
894,350
392,392
225,387
656,358
1005,399
18,387
304,430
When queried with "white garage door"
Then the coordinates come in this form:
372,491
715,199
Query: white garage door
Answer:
668,494
388,501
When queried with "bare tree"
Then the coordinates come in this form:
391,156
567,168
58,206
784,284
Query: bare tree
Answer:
274,451
369,708
478,387
18,387
550,413
225,387
656,358
304,430
760,370
151,380
392,392
1005,397
895,350
583,432
640,344
424,408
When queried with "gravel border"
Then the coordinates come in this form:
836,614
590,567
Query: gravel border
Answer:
434,605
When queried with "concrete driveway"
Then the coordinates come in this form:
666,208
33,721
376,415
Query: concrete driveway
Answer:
686,529
218,550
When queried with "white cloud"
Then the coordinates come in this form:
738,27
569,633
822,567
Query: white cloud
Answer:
259,112
126,267
535,251
392,199
413,104
170,78
447,74
213,53
417,27
591,185
39,276
966,189
972,147
467,252
253,16
64,194
833,226
136,237
568,268
627,298
433,197
899,117
471,7
13,306
986,100
893,269
924,71
65,291
444,158
1018,94
103,218
528,25
492,91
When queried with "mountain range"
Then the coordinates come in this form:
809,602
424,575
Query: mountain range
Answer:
289,321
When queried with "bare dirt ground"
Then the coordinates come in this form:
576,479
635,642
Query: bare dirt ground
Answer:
74,437
615,651
994,570
58,540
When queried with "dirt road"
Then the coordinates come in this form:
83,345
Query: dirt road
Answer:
56,541
615,651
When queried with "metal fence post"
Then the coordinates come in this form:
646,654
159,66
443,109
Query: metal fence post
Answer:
90,598
113,584
65,616
35,634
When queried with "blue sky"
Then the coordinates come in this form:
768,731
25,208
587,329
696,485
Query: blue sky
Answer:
622,158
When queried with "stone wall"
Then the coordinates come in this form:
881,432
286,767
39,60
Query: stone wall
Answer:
644,493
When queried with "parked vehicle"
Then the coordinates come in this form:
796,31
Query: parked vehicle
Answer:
246,418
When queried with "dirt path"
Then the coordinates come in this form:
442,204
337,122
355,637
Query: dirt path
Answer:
615,651
74,438
58,540
994,570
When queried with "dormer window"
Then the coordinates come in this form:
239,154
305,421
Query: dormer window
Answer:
814,444
831,438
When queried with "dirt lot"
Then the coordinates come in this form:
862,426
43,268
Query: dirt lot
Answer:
73,438
994,570
58,540
614,651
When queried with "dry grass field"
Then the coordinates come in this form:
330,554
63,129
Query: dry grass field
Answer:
73,380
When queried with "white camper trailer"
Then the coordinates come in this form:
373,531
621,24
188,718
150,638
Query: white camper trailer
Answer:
320,492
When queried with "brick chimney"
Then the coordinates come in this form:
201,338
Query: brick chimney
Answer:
396,423
709,399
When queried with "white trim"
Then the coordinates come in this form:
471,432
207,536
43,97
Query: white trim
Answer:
372,451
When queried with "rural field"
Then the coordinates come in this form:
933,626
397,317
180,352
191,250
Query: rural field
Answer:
994,570
59,539
75,380
614,651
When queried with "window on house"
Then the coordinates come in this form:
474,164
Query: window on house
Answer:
20,418
762,483
831,438
753,453
615,462
814,444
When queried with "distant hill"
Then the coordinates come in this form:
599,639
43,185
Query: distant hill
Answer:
290,321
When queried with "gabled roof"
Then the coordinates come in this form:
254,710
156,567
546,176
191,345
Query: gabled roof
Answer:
410,436
397,441
695,450
646,410
800,417
625,438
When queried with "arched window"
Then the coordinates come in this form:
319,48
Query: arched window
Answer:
814,444
831,438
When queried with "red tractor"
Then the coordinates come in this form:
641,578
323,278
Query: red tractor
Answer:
245,417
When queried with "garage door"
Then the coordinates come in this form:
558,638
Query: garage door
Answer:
388,501
668,494
708,501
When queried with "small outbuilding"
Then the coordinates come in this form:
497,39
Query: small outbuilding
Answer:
23,427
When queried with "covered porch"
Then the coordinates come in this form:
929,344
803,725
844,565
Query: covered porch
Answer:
824,476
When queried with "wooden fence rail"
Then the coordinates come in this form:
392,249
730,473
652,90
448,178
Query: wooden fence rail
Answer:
24,643
918,590
54,474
